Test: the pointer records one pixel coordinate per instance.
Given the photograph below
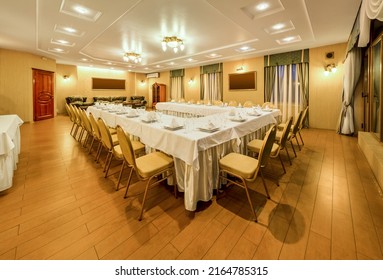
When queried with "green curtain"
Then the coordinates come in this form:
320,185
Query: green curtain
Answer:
295,57
270,73
177,73
211,69
303,78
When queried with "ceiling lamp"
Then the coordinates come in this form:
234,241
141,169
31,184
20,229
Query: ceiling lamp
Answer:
172,42
132,57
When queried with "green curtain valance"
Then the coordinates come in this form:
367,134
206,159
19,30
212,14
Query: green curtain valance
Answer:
212,68
177,73
287,58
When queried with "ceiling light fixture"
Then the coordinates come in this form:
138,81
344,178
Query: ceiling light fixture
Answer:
174,43
262,6
132,57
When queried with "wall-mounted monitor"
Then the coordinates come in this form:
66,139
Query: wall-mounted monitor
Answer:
243,81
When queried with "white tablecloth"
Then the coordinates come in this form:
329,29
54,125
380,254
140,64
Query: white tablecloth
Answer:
173,108
195,152
9,148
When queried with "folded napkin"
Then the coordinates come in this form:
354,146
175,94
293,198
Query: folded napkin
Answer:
232,112
132,113
151,116
256,111
174,123
210,125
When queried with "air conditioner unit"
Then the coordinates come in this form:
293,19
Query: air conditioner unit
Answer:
153,75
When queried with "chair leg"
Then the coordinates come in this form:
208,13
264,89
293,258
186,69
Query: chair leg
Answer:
283,165
91,145
288,155
292,145
128,182
249,199
264,183
119,176
107,165
98,154
175,183
143,200
300,136
296,139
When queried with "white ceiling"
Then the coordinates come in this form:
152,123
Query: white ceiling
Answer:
207,27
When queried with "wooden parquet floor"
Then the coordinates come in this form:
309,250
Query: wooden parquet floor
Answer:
328,206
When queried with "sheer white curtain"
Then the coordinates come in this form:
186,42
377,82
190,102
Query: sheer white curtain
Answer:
370,9
352,70
286,93
211,86
176,87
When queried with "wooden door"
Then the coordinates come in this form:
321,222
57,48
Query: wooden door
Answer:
43,95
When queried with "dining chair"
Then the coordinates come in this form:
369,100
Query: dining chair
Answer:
302,123
217,103
292,133
77,120
72,117
267,105
248,104
153,166
233,103
279,145
246,168
87,127
110,143
96,135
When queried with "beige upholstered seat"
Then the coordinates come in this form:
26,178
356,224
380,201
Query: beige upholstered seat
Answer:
77,120
233,103
148,167
217,103
72,117
256,144
246,168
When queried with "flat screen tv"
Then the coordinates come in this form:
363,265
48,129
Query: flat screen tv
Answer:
243,81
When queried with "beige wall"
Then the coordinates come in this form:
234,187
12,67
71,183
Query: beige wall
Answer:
325,91
16,84
253,64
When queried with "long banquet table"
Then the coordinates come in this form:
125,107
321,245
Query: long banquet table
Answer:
195,152
9,148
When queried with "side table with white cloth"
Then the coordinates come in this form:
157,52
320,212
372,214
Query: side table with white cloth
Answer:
196,152
9,148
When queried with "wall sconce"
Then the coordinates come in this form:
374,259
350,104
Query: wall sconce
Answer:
240,68
66,77
142,82
191,81
330,68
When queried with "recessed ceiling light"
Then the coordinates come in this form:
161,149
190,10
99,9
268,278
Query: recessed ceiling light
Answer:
245,49
290,39
71,8
213,55
278,26
190,60
262,6
81,10
70,29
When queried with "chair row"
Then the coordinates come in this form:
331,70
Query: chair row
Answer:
246,168
153,168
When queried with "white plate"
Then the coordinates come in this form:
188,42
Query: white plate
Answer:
205,129
238,120
173,128
254,114
131,116
267,110
148,121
